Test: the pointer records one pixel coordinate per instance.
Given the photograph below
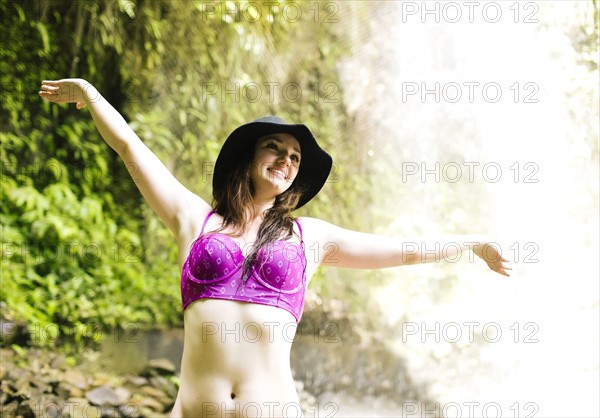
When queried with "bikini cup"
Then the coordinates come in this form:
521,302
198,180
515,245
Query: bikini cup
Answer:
215,257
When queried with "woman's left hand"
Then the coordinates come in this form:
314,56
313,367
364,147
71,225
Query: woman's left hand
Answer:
490,253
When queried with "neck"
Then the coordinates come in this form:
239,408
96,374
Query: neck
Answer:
257,208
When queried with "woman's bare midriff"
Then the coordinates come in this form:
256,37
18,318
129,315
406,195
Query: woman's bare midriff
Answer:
236,361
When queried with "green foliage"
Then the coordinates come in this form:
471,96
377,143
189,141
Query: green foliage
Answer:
71,222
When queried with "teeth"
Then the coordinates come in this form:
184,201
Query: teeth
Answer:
272,170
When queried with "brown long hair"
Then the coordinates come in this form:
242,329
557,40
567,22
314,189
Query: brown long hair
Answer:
231,201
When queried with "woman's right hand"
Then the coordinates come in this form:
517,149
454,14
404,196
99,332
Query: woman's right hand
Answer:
68,90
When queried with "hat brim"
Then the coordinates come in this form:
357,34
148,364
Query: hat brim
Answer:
315,163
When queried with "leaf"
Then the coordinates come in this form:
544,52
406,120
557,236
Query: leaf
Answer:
45,37
127,6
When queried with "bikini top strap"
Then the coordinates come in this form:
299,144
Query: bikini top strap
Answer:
206,220
299,228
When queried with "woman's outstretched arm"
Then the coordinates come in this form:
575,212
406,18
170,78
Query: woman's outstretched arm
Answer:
171,201
351,249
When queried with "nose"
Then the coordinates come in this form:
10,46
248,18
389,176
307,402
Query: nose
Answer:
285,159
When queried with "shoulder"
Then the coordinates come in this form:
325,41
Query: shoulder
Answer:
313,228
309,222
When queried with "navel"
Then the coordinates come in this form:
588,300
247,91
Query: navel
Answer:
232,395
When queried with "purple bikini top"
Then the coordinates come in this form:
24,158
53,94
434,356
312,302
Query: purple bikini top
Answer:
213,270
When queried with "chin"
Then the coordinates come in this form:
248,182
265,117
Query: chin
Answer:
274,185
279,183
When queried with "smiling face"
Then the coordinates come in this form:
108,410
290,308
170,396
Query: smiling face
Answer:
275,165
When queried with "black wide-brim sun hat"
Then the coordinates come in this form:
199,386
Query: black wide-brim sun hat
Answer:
315,162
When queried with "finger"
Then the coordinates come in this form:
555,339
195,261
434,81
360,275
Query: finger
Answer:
49,92
502,272
500,269
48,95
51,82
47,87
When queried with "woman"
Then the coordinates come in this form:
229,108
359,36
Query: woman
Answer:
246,262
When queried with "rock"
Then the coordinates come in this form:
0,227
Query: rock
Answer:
15,373
40,383
63,390
104,395
138,380
155,393
130,410
76,393
23,387
162,366
48,406
147,412
9,410
8,388
66,390
94,411
108,411
101,379
76,378
36,394
76,407
160,382
58,363
53,376
34,365
123,394
25,409
152,404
